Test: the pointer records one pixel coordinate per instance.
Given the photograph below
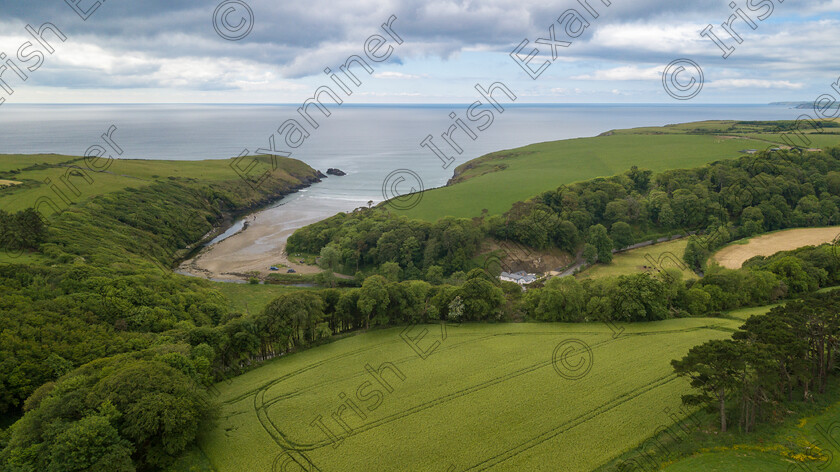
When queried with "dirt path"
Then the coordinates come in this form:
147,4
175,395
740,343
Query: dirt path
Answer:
734,255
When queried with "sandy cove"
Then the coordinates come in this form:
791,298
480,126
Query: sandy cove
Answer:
261,244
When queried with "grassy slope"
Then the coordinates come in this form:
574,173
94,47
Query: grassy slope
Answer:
473,402
761,452
659,255
539,167
128,174
768,449
247,298
121,174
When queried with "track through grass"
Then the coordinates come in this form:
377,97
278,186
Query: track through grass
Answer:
489,398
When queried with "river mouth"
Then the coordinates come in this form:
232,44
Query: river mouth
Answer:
255,243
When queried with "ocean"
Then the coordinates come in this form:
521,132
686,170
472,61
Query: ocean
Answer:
366,141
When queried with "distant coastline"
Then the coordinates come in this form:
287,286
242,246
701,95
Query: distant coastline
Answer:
803,105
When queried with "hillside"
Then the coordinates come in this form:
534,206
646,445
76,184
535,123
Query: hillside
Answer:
497,180
199,198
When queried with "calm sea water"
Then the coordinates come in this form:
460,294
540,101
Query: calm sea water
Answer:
366,141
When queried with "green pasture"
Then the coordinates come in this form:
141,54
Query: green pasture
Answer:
489,397
654,258
744,313
536,168
63,179
497,180
251,298
773,448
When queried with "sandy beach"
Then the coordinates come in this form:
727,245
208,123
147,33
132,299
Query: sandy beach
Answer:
262,243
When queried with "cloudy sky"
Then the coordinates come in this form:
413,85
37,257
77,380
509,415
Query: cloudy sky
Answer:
158,51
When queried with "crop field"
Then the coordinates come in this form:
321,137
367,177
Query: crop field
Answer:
667,255
497,180
564,397
738,252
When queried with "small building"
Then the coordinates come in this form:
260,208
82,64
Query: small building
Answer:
521,277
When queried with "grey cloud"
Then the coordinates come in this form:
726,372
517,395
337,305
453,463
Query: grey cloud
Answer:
301,38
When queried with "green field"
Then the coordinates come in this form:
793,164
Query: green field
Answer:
497,180
744,313
667,255
489,397
251,299
77,185
734,461
774,448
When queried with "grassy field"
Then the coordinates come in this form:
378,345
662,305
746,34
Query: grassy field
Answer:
645,259
744,313
735,461
251,299
72,180
449,409
773,447
497,180
735,254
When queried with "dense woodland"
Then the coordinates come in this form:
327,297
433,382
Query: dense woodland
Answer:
106,352
92,333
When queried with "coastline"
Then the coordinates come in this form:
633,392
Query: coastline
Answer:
261,243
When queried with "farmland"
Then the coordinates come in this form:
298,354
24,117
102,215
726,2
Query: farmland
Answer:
497,180
479,380
735,254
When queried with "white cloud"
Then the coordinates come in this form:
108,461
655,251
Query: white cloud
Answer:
395,75
755,83
623,73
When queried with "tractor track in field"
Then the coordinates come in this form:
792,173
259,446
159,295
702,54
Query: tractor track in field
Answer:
408,358
290,447
262,408
573,423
